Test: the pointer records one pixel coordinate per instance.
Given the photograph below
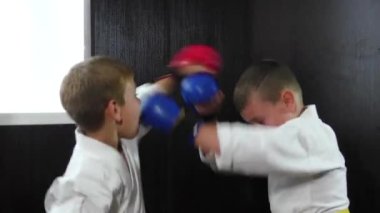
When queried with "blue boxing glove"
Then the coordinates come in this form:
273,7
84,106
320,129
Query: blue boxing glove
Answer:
202,94
160,112
199,88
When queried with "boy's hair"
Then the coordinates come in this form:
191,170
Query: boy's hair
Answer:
89,86
268,78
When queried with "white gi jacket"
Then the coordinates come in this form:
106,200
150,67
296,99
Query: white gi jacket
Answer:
99,179
306,171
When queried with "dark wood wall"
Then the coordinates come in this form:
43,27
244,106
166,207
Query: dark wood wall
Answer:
332,45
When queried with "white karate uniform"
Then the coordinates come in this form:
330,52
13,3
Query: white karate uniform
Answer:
98,178
306,171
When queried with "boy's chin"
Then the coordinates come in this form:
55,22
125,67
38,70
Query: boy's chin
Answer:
129,135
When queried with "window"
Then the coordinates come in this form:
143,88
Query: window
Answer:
40,40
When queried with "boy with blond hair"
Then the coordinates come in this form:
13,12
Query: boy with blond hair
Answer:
103,174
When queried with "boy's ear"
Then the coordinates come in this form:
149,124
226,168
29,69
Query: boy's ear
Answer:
113,111
288,98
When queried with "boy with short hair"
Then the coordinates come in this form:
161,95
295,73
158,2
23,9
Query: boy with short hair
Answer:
286,141
103,174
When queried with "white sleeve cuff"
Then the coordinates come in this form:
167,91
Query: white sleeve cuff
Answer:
209,159
148,89
224,159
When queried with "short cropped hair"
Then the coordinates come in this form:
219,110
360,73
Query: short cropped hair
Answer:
269,78
89,86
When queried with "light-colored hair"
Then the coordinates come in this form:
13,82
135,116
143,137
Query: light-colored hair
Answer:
90,85
269,78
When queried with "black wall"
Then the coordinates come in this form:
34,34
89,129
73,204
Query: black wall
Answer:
145,34
333,46
30,158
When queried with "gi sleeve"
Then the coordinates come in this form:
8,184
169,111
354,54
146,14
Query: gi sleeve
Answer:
85,195
260,150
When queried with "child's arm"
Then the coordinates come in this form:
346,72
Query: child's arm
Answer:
262,150
168,83
163,85
207,139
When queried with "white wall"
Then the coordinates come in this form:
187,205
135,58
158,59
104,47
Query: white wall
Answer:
39,41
